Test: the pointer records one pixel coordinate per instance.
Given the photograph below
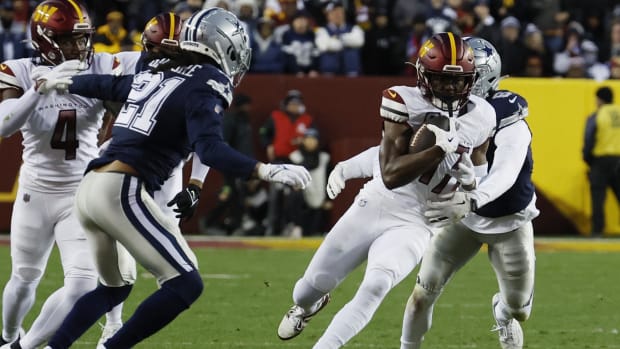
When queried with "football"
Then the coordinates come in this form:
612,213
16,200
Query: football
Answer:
423,138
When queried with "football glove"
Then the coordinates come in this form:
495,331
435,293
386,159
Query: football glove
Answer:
58,78
466,172
446,140
451,208
336,180
186,201
294,175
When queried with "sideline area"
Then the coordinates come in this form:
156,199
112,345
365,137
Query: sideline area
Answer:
543,244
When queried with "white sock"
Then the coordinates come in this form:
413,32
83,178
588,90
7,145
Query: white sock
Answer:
503,313
356,314
114,316
306,296
17,299
55,309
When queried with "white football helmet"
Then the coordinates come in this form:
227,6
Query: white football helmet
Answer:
219,35
488,66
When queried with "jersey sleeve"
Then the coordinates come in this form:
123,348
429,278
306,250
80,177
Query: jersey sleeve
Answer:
204,126
105,87
8,76
509,106
393,106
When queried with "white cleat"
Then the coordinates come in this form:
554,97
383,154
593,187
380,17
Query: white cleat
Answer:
510,333
108,331
7,344
295,320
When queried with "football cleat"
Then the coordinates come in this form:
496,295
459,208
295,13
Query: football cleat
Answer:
295,320
4,344
108,331
510,332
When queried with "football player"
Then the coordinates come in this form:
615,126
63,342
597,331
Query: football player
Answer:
506,202
160,38
59,139
173,107
385,225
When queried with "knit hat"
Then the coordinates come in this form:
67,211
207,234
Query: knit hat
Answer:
605,94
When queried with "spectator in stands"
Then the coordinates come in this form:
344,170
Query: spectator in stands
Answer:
112,37
225,4
549,17
601,151
183,10
307,210
247,12
300,51
510,47
267,54
339,43
538,61
579,57
487,27
11,38
383,52
281,135
418,35
613,46
440,17
405,12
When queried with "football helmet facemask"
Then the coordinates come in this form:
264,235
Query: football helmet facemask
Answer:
446,71
61,30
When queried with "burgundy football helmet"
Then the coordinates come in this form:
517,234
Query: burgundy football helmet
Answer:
446,71
162,31
61,30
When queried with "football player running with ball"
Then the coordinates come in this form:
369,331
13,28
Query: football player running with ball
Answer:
172,108
506,206
385,225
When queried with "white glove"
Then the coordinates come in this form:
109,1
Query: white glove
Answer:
466,172
336,180
452,208
446,140
58,78
295,176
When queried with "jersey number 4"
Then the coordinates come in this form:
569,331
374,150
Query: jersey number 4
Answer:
65,133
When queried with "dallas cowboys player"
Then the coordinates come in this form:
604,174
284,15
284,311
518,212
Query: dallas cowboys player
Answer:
171,109
59,138
385,225
506,203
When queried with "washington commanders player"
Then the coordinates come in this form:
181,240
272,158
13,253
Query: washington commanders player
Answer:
385,225
507,206
59,138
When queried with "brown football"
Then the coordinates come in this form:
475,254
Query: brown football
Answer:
424,138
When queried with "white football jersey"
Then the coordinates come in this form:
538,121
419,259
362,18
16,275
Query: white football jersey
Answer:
60,135
129,60
406,104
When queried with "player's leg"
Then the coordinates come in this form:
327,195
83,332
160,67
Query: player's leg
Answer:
598,192
449,250
78,266
391,258
344,248
157,244
513,259
32,240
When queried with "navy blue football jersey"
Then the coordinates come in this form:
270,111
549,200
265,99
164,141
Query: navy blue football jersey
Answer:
167,115
509,108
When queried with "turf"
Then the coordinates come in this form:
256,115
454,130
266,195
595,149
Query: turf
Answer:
576,304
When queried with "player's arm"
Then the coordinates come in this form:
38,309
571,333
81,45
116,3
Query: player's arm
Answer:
512,146
187,199
105,87
470,170
15,108
358,166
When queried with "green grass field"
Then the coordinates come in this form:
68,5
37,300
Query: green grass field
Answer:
576,304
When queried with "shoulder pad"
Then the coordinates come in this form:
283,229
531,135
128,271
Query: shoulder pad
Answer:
218,81
7,77
393,106
509,107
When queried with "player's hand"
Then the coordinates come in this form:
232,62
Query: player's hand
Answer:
465,173
336,180
186,201
446,140
451,208
295,176
57,78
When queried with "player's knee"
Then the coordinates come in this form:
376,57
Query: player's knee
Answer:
187,286
519,304
377,283
77,287
423,297
28,274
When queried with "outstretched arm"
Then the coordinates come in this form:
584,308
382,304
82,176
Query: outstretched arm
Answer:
105,87
358,166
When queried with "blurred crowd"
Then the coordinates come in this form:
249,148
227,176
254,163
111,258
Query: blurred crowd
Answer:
536,38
